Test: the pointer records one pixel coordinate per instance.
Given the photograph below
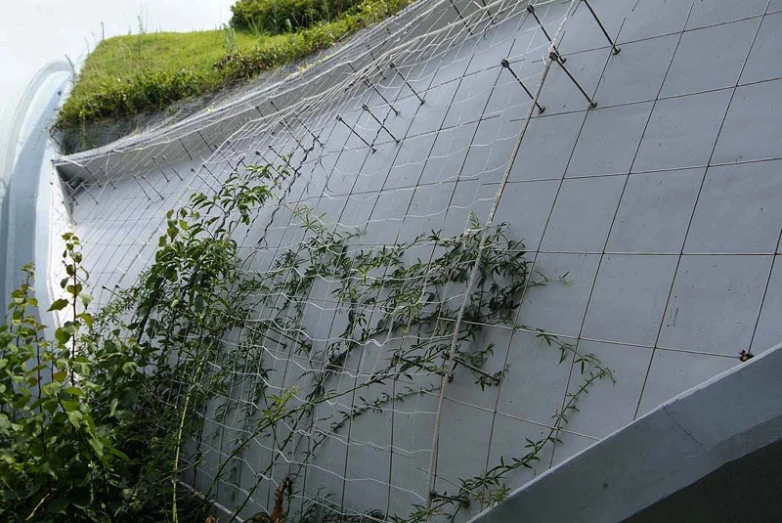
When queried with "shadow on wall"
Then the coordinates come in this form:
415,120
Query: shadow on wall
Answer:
747,489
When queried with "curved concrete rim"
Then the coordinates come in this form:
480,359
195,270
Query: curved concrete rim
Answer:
18,119
668,449
24,223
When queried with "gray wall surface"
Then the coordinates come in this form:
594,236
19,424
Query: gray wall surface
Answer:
747,489
711,454
660,206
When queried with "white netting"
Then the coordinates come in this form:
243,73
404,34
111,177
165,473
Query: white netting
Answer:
397,147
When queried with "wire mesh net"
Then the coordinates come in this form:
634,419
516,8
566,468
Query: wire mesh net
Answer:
386,286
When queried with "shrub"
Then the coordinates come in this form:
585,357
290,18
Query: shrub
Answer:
280,16
92,421
59,431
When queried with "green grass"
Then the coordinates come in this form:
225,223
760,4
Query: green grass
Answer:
128,75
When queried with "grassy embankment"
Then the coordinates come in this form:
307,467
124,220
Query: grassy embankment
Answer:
128,75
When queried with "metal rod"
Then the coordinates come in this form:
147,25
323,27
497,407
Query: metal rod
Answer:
258,153
175,171
381,124
284,159
506,65
555,56
192,170
237,153
185,148
84,185
279,156
371,55
374,61
307,128
153,187
113,293
339,119
142,187
614,48
108,179
393,66
71,192
203,165
460,16
293,135
491,16
160,169
374,88
94,179
397,358
204,139
531,10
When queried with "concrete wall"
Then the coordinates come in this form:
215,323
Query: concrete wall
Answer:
711,454
660,205
30,198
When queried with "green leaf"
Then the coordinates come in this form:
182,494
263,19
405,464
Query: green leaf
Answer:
113,408
75,391
71,406
75,418
118,453
87,319
21,401
97,446
62,336
57,506
58,305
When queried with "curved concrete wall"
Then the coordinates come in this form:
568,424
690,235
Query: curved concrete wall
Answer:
660,205
26,207
723,420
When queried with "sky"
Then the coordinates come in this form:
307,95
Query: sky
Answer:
34,32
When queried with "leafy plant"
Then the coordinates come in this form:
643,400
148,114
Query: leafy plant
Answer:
281,16
229,38
58,452
103,422
92,422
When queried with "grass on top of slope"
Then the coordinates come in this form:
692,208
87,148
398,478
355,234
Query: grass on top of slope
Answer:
128,75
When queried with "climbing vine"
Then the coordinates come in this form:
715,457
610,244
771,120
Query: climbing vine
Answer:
197,337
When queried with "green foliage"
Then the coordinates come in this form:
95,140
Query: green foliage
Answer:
92,422
101,423
58,454
128,75
270,53
281,16
145,91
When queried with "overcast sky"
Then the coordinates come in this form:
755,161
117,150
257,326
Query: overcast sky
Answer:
34,32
